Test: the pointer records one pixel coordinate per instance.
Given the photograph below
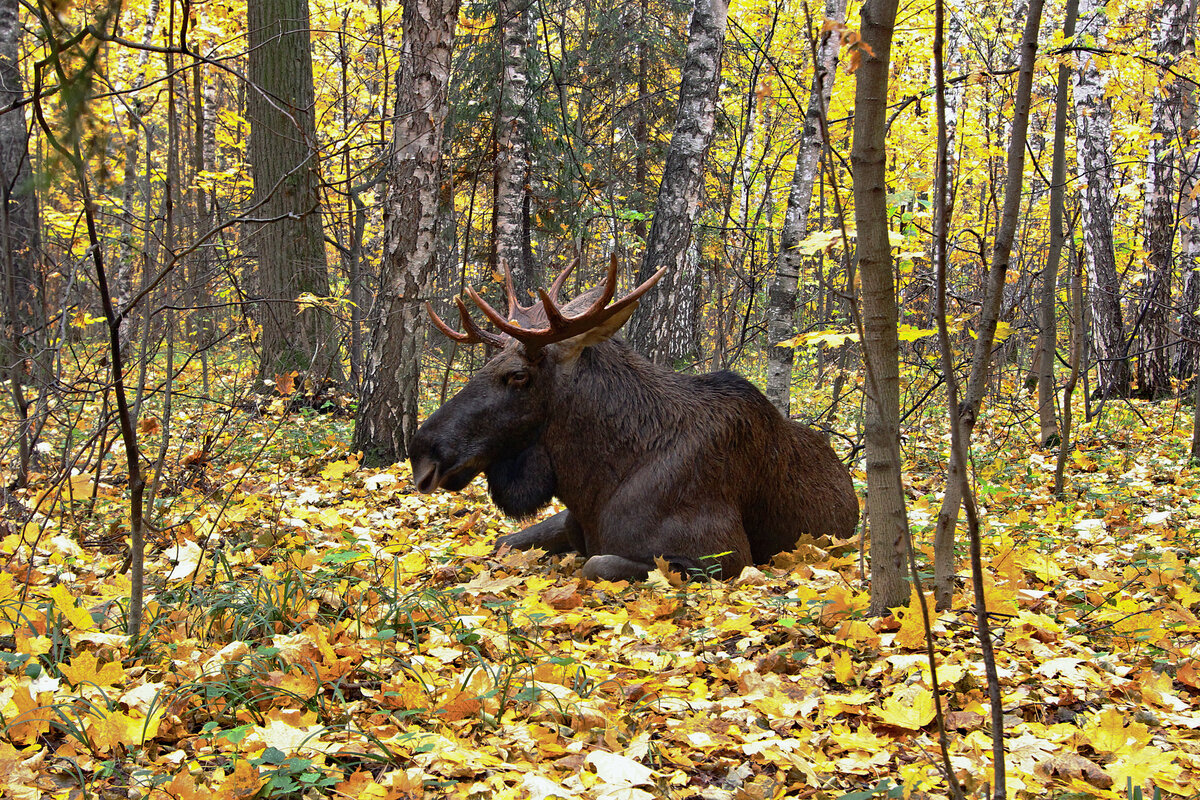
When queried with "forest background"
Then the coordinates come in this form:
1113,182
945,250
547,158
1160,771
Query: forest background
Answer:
220,227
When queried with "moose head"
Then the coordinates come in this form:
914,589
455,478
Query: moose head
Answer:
700,470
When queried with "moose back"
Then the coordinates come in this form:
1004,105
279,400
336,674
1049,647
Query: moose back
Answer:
700,470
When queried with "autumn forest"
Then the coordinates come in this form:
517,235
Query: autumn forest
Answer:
248,250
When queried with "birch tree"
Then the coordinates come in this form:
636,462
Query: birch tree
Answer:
993,294
781,299
1093,132
664,330
1169,115
387,412
511,207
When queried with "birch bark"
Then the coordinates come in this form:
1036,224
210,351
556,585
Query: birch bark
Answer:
665,328
1093,132
781,298
1168,136
387,412
511,211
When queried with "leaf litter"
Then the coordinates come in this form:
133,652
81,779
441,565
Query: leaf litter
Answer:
319,629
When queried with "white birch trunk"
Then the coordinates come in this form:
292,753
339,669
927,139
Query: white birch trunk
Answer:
781,298
665,328
512,148
387,414
1093,131
1168,138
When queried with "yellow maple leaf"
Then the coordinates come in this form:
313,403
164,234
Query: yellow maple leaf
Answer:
26,718
843,666
86,668
243,784
111,729
1145,766
18,779
910,708
911,634
1108,733
337,470
64,603
362,786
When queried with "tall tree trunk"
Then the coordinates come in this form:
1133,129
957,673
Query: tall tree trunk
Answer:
511,239
993,294
1189,261
289,244
781,299
1167,142
664,330
1093,131
1048,333
127,259
387,413
886,515
24,309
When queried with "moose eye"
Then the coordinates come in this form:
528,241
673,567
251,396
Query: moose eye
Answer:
517,379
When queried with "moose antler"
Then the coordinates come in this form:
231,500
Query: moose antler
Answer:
559,326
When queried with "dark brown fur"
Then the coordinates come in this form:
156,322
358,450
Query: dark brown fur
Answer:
701,470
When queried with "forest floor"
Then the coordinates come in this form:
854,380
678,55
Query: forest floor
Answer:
317,629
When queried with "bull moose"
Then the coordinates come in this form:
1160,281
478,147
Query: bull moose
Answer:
700,470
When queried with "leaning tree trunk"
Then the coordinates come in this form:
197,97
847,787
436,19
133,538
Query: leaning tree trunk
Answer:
1167,142
781,299
511,210
290,246
993,293
886,514
387,412
1093,132
664,330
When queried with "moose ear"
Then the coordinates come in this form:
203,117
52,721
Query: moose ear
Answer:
571,348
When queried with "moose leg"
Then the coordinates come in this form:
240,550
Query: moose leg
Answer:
697,543
557,534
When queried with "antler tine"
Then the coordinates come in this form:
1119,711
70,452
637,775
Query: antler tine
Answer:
556,287
474,334
494,316
464,338
563,327
514,305
472,329
559,326
610,288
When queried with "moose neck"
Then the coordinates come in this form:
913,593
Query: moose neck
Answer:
613,407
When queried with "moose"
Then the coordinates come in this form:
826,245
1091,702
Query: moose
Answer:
700,470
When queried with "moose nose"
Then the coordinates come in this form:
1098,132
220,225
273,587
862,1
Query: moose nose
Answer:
425,474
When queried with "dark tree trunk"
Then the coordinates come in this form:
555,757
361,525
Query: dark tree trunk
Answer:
1048,334
665,328
886,516
1093,131
289,243
387,413
781,299
993,294
1168,138
24,310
